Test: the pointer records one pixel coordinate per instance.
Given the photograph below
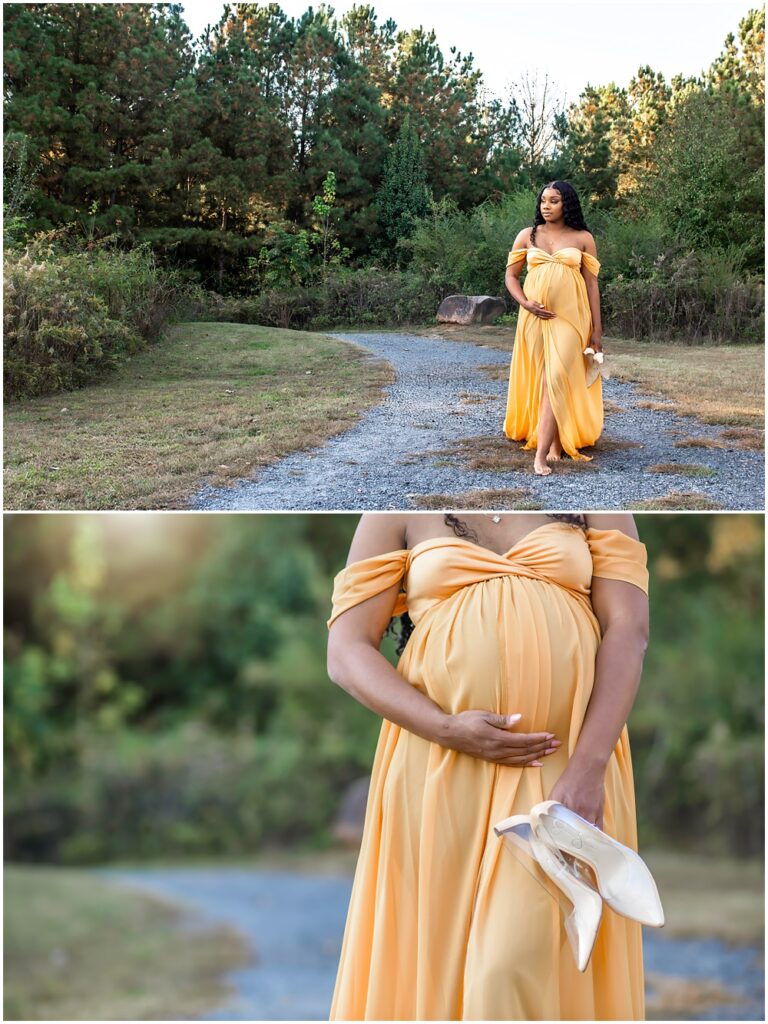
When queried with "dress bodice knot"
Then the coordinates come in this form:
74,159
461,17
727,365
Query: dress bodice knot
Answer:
569,256
435,569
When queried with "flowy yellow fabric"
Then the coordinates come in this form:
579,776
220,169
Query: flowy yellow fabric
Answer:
444,923
555,347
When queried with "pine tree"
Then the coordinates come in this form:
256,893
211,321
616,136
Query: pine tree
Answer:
404,195
102,92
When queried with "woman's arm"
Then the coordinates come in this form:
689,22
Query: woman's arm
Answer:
593,295
356,664
622,611
512,280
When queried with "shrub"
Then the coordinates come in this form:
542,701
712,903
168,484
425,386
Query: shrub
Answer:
71,313
187,791
341,298
691,297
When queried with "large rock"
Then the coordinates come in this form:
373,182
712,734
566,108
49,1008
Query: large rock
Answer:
470,309
348,825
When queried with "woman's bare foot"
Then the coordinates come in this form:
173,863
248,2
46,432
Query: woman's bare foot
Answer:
540,467
555,452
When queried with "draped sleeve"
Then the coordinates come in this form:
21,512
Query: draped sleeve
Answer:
367,578
590,262
515,255
615,556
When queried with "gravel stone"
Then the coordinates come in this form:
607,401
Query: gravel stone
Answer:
391,456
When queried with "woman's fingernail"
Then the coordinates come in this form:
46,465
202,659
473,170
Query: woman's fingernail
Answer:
513,718
537,763
556,743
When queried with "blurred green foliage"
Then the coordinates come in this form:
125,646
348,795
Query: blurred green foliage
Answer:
166,689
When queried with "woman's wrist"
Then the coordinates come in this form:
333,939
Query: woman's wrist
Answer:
443,729
589,763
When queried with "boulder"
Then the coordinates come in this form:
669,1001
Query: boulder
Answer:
348,825
470,309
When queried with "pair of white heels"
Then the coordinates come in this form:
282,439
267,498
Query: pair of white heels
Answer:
588,867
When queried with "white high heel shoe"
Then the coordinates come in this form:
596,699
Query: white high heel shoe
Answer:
582,923
624,881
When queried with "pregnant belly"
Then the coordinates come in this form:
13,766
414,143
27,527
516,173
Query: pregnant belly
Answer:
558,288
507,645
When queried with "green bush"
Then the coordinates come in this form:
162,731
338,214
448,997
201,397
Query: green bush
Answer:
189,791
342,298
461,252
73,311
692,297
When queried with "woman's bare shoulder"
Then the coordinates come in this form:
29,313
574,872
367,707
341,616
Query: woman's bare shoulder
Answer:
523,239
623,521
587,242
376,534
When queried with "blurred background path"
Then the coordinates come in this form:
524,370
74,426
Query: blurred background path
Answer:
294,923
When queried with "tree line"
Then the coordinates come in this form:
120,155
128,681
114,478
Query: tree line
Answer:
218,150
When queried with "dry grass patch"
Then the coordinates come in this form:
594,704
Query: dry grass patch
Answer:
500,336
678,501
709,897
496,454
495,371
211,401
674,998
722,384
611,444
744,437
682,469
502,499
700,442
610,406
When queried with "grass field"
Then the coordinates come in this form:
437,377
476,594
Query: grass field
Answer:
210,402
77,948
715,897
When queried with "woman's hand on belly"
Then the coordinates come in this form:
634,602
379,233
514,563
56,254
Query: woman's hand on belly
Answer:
538,309
582,790
489,736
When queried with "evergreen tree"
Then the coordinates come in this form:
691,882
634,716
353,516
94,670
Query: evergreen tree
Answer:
404,195
442,97
103,93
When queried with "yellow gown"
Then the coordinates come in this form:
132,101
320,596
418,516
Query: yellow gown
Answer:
444,923
555,346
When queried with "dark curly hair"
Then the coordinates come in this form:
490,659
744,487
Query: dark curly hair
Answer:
572,214
461,529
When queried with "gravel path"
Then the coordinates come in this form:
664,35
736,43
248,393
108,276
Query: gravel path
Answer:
392,455
294,925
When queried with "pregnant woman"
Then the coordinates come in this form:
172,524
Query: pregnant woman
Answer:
549,404
525,641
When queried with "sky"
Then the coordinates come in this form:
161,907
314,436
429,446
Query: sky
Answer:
574,43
